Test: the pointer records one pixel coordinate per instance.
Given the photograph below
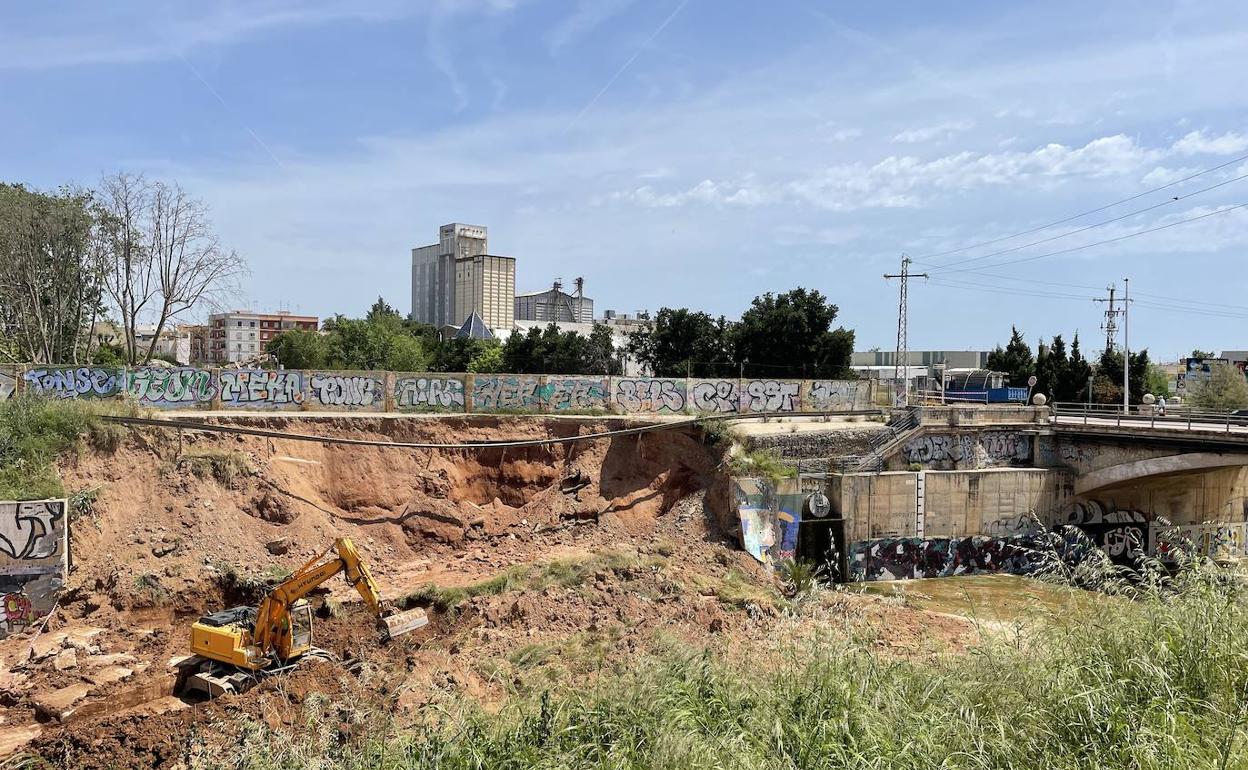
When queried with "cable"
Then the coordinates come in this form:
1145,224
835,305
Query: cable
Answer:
1006,290
1085,228
1109,240
1085,213
503,444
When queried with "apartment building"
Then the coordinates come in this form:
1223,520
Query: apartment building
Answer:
241,334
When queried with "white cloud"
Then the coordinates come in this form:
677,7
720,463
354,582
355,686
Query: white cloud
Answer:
941,131
589,14
1162,175
844,134
1200,143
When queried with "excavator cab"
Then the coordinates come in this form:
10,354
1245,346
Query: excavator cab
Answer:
300,628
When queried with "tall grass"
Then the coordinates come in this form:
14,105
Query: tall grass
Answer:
1153,677
34,431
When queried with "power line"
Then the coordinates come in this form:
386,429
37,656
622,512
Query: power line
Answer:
1085,213
1093,226
994,289
1109,240
1063,285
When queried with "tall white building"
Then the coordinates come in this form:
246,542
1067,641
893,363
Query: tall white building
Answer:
456,277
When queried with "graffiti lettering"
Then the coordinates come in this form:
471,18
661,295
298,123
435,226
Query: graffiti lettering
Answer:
650,396
505,393
431,393
715,396
154,386
830,395
1006,446
1215,541
28,530
8,383
561,393
260,387
992,448
902,558
771,396
87,381
347,390
17,611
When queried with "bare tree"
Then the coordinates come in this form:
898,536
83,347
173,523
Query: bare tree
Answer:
190,266
127,262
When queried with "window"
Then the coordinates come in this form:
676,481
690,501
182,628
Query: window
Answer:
253,324
239,323
252,335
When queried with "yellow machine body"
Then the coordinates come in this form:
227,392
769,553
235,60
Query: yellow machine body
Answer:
226,636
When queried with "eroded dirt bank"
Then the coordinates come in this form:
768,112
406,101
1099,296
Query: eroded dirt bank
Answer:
537,565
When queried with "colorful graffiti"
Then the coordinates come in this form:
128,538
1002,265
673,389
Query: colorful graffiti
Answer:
261,388
76,382
771,396
770,516
718,396
506,393
905,558
34,548
561,394
347,390
650,396
833,395
428,393
164,387
1214,541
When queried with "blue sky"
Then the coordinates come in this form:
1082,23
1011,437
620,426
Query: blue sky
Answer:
678,152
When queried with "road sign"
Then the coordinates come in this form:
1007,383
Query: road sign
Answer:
1031,381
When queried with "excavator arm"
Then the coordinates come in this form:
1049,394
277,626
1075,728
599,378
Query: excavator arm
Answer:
272,630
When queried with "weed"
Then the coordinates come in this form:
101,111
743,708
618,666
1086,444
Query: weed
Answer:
665,548
715,431
149,589
224,465
34,432
530,655
799,576
82,503
760,463
915,466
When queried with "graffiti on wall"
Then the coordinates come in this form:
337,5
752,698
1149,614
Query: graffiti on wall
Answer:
832,395
505,393
75,382
349,390
650,396
574,393
718,396
771,396
770,516
904,558
1121,534
34,545
164,387
429,393
261,388
985,449
1215,541
8,382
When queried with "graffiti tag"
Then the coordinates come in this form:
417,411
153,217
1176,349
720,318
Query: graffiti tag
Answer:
505,393
86,381
828,395
429,393
715,396
29,530
261,387
771,396
561,393
651,396
17,610
162,387
346,390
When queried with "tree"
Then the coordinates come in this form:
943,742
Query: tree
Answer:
489,358
1079,371
1225,390
126,258
1015,360
50,283
681,341
457,354
1157,381
1053,371
787,335
1107,380
1202,354
300,349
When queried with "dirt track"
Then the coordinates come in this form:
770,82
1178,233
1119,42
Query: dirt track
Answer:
635,555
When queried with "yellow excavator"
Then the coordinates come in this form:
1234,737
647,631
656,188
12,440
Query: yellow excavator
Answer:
234,648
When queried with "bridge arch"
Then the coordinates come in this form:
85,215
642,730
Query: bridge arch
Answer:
1155,466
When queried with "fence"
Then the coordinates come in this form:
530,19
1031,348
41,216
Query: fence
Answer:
377,391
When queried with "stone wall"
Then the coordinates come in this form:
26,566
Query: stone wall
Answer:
817,443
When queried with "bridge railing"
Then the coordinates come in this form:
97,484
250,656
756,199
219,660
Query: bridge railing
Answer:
1181,417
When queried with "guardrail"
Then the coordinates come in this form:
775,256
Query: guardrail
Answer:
1186,419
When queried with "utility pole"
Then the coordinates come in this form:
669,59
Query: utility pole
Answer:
1111,319
1126,346
900,369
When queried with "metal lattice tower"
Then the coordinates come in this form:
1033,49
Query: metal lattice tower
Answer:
900,364
1111,319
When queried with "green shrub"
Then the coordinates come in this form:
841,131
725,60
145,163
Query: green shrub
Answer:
34,431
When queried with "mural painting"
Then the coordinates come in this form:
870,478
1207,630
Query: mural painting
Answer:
1214,541
428,393
904,558
1122,534
771,396
576,394
165,387
716,396
770,515
506,393
75,382
644,395
34,560
834,395
261,388
356,391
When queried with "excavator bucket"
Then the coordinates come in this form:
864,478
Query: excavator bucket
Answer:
399,623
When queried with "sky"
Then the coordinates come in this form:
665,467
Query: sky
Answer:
682,153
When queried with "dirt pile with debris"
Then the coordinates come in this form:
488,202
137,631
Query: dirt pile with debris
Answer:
536,564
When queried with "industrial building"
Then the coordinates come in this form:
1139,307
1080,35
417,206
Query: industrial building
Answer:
456,277
554,304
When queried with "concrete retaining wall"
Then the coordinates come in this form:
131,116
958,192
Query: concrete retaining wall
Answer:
377,391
